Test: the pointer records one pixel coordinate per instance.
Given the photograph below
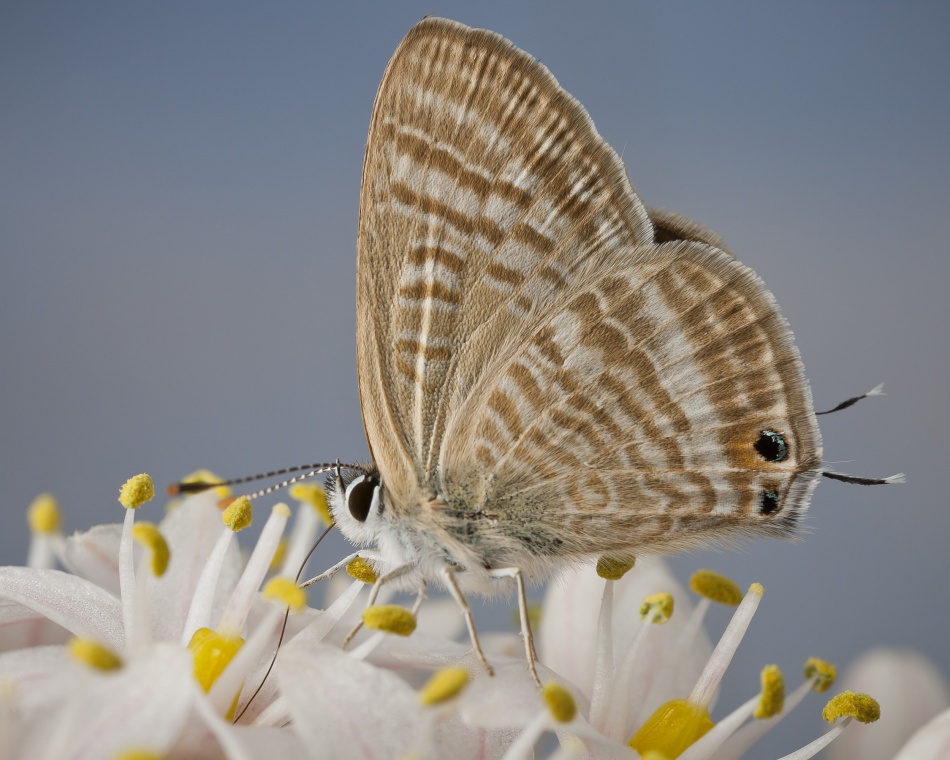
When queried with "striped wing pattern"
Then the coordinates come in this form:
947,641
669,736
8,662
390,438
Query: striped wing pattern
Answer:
533,351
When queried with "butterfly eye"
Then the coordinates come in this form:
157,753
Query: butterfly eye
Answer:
769,504
359,496
771,446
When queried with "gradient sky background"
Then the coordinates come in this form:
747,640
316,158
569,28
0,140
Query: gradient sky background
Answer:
178,202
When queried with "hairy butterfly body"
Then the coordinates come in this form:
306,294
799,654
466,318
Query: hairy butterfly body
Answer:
549,371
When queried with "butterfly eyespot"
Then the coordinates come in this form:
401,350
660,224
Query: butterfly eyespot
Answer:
771,446
769,503
359,496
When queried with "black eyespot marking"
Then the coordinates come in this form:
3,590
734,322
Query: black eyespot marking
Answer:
771,446
769,504
360,496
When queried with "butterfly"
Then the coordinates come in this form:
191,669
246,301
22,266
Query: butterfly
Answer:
550,372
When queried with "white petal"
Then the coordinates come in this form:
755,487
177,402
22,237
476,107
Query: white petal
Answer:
78,605
932,742
94,555
339,703
21,627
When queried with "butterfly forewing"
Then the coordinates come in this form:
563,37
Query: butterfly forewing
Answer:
534,355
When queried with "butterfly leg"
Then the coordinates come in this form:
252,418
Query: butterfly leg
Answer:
448,575
384,578
530,653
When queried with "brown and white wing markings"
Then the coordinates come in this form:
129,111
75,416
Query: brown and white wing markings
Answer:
567,378
486,190
628,420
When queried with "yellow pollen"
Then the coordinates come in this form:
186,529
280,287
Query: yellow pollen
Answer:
758,589
390,618
238,514
94,654
281,509
560,703
278,559
672,729
716,587
138,754
43,514
847,704
614,568
206,476
822,672
659,606
136,491
212,652
152,539
287,592
443,685
313,495
772,698
362,570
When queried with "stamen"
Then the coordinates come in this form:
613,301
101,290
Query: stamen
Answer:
614,568
390,618
861,707
362,571
823,674
657,608
287,592
213,652
137,491
772,698
138,754
560,703
43,514
94,654
312,494
443,685
152,539
717,587
672,729
238,514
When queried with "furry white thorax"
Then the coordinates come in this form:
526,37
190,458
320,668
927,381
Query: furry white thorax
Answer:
393,543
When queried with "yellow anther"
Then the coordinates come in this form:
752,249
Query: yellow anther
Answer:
847,704
653,755
614,568
822,672
206,476
658,607
43,514
287,592
278,559
390,618
560,703
212,653
362,570
151,538
136,491
94,654
138,754
772,698
443,685
672,729
238,514
313,495
716,587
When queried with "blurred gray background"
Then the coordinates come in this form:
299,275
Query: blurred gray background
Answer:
178,201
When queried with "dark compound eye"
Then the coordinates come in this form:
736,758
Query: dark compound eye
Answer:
771,446
769,504
359,496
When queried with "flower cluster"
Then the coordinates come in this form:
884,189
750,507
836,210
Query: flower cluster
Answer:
159,641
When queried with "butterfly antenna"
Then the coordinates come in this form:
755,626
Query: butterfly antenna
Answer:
877,390
898,478
197,486
283,627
